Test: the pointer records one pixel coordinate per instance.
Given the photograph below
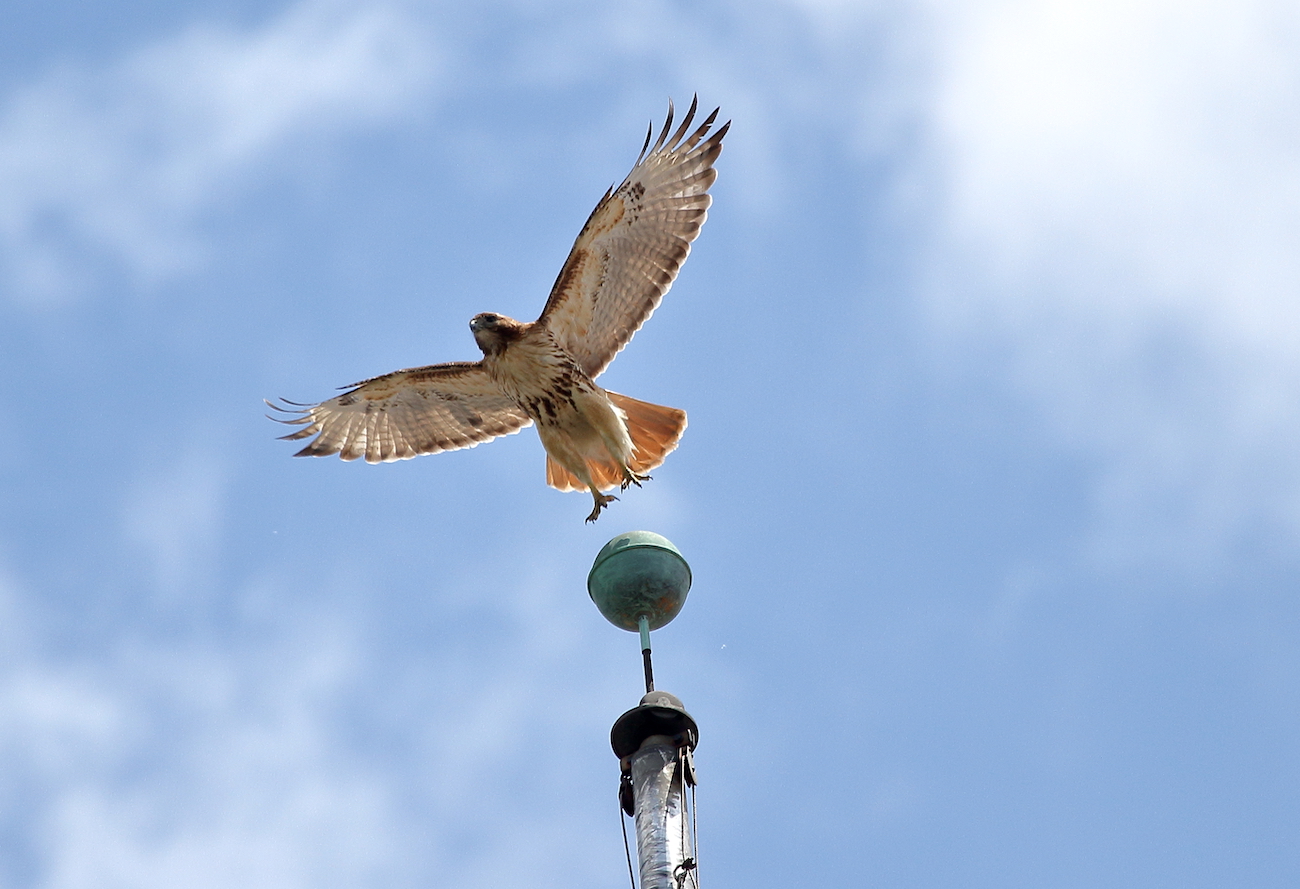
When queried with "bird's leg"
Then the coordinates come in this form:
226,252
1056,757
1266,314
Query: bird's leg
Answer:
602,500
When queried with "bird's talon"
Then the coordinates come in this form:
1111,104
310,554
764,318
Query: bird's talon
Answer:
633,479
602,500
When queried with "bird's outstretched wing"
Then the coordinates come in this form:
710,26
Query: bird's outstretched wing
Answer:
422,410
630,250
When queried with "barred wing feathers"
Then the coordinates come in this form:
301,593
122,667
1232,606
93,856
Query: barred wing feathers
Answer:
629,252
422,410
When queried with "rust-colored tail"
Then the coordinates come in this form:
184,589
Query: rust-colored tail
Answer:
655,432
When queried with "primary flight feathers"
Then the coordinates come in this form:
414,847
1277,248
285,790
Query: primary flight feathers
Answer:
621,265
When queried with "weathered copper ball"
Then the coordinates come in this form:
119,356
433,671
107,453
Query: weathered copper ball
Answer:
639,574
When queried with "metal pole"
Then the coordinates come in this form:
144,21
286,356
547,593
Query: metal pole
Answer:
663,842
644,626
654,742
639,582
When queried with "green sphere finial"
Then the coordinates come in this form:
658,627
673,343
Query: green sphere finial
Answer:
639,575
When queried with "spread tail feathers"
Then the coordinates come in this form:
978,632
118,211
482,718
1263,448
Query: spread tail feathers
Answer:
655,431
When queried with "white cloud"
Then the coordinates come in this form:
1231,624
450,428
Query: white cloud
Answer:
1122,186
118,163
197,768
299,750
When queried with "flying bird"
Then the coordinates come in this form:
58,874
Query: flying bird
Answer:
621,265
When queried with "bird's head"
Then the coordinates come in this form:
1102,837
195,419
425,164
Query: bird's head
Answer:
492,331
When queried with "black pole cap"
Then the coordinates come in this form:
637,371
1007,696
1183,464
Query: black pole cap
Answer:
659,713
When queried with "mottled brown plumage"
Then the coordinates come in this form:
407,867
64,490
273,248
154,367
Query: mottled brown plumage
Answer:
621,265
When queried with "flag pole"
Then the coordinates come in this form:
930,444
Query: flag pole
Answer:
639,582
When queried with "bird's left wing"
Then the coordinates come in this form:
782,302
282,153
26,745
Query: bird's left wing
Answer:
406,413
628,254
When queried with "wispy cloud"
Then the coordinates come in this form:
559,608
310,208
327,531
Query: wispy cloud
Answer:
1121,207
242,785
115,165
305,752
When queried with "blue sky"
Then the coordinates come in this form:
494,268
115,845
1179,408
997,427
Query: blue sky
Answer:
991,487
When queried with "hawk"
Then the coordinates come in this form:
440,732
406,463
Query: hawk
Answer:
621,265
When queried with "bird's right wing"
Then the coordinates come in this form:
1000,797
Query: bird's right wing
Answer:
629,252
422,410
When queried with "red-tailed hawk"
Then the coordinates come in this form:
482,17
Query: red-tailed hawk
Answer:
620,267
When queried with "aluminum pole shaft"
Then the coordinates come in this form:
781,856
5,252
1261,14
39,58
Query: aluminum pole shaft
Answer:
662,840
